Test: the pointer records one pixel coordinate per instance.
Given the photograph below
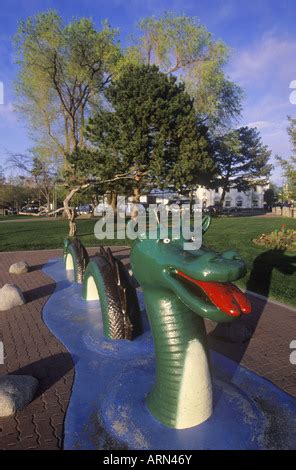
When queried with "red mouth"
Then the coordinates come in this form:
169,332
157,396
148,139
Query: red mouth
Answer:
227,297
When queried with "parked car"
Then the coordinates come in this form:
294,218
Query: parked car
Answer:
84,209
33,209
184,204
179,201
213,209
10,211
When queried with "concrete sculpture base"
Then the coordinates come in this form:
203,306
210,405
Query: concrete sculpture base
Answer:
107,409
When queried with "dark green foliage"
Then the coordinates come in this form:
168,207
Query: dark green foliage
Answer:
149,125
269,197
241,159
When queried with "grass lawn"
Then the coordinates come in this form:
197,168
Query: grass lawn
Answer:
270,272
9,218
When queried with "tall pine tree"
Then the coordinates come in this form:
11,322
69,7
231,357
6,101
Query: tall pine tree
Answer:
241,160
149,125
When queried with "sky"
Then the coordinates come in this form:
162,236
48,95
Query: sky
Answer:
261,35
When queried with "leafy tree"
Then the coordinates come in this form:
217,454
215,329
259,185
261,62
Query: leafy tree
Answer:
270,196
16,192
150,126
241,160
292,132
289,174
289,165
2,176
63,70
42,173
183,46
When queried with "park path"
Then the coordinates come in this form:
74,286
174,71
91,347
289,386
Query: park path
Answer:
30,219
30,348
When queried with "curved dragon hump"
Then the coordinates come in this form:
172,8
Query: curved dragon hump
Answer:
107,277
76,258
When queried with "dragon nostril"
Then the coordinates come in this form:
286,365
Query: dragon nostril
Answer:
230,255
209,257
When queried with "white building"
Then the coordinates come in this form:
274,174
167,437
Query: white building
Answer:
253,198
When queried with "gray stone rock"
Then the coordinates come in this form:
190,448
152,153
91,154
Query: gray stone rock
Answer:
20,267
16,392
10,296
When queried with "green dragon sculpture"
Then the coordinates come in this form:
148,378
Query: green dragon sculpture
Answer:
76,258
181,288
107,279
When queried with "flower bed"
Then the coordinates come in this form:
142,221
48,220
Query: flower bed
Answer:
281,239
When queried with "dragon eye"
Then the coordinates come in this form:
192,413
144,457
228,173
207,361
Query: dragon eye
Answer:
166,240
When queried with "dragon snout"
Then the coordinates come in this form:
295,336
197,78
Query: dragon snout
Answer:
231,255
224,267
227,255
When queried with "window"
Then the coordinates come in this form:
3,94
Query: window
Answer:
239,202
239,190
216,190
227,203
255,203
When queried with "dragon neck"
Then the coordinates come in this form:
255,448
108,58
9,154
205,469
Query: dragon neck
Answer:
182,392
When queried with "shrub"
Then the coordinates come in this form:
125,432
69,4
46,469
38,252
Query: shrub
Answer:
281,239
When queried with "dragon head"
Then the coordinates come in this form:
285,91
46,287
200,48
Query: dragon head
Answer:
200,278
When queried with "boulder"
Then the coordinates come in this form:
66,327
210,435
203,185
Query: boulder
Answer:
16,392
10,296
19,268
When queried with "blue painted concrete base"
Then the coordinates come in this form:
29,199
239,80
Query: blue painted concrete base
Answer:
107,408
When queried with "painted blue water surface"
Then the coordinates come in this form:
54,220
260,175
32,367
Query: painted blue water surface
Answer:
107,407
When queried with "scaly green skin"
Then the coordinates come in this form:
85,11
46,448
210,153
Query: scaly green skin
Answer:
120,310
176,317
79,255
106,291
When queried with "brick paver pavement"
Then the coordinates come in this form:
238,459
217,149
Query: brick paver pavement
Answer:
268,350
30,348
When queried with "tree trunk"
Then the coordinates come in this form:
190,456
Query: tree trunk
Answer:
191,200
136,200
48,202
67,138
114,200
223,196
225,185
70,212
136,194
109,198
